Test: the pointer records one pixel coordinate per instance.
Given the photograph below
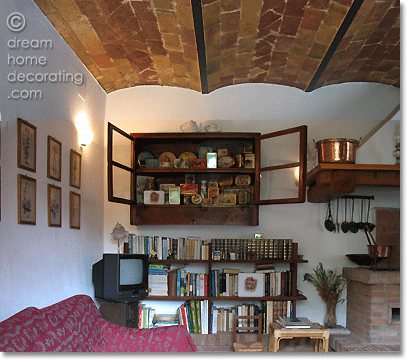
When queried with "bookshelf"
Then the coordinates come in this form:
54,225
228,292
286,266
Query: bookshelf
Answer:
210,264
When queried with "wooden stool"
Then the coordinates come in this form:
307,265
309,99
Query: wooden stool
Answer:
276,333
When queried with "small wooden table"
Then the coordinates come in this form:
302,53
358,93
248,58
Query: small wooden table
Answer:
276,333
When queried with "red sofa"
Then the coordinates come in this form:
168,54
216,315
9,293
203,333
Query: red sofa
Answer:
75,324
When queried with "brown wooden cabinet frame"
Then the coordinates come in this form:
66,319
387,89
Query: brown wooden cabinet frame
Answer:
235,215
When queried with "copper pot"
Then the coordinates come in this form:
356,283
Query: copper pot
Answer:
379,251
337,150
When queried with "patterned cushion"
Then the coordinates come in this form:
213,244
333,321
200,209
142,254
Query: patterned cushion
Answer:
19,332
164,339
71,325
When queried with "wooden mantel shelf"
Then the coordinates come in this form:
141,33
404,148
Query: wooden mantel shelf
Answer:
330,181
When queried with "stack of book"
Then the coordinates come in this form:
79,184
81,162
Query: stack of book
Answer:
158,280
292,322
160,320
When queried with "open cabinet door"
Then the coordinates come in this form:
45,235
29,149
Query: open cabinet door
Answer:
120,166
282,166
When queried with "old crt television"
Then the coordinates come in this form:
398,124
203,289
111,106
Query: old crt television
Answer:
121,277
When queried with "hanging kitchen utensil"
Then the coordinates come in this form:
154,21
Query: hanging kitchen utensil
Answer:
353,227
329,224
337,213
345,224
370,225
361,224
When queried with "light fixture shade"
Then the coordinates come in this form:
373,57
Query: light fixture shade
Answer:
86,138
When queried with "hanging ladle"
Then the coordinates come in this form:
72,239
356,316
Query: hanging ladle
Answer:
337,214
329,224
353,227
361,224
345,224
369,225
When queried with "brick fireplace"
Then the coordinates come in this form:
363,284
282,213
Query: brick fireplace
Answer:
373,305
373,295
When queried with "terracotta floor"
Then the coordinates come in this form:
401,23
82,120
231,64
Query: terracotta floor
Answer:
353,343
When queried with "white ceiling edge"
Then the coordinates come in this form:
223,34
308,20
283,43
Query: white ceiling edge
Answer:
346,110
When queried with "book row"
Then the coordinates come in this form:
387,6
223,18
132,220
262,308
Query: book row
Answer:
163,248
226,282
266,284
194,248
252,249
194,315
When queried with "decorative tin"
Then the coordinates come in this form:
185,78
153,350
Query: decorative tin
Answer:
227,199
189,188
211,160
153,197
199,164
203,150
240,160
174,196
223,152
249,161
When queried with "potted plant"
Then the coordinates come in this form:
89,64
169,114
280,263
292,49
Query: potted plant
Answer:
330,286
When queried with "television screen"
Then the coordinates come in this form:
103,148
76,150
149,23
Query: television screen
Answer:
131,271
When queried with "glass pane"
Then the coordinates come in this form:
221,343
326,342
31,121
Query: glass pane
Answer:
121,149
121,183
280,150
279,184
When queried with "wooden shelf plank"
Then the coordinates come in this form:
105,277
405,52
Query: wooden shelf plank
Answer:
331,181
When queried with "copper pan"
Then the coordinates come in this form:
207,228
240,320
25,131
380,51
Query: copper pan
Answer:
374,250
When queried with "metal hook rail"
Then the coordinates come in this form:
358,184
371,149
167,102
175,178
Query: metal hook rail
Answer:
358,197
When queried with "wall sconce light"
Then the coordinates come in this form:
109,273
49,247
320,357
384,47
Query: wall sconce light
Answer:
297,176
85,138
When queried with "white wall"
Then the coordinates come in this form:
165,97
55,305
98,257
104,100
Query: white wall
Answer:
336,111
41,265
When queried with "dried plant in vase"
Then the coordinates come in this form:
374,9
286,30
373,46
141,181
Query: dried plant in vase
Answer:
330,286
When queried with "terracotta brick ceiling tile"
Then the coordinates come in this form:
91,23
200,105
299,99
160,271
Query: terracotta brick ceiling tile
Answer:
302,43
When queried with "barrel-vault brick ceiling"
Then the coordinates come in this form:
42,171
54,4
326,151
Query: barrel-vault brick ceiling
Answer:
208,44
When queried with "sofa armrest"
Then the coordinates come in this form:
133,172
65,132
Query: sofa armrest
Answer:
116,338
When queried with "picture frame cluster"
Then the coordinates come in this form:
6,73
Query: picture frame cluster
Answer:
27,185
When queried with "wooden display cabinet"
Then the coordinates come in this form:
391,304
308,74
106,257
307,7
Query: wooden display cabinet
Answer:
124,169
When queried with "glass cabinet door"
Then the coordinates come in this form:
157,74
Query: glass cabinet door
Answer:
121,167
282,167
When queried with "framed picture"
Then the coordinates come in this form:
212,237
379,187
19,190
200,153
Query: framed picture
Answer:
74,210
27,145
54,159
54,206
75,169
26,197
